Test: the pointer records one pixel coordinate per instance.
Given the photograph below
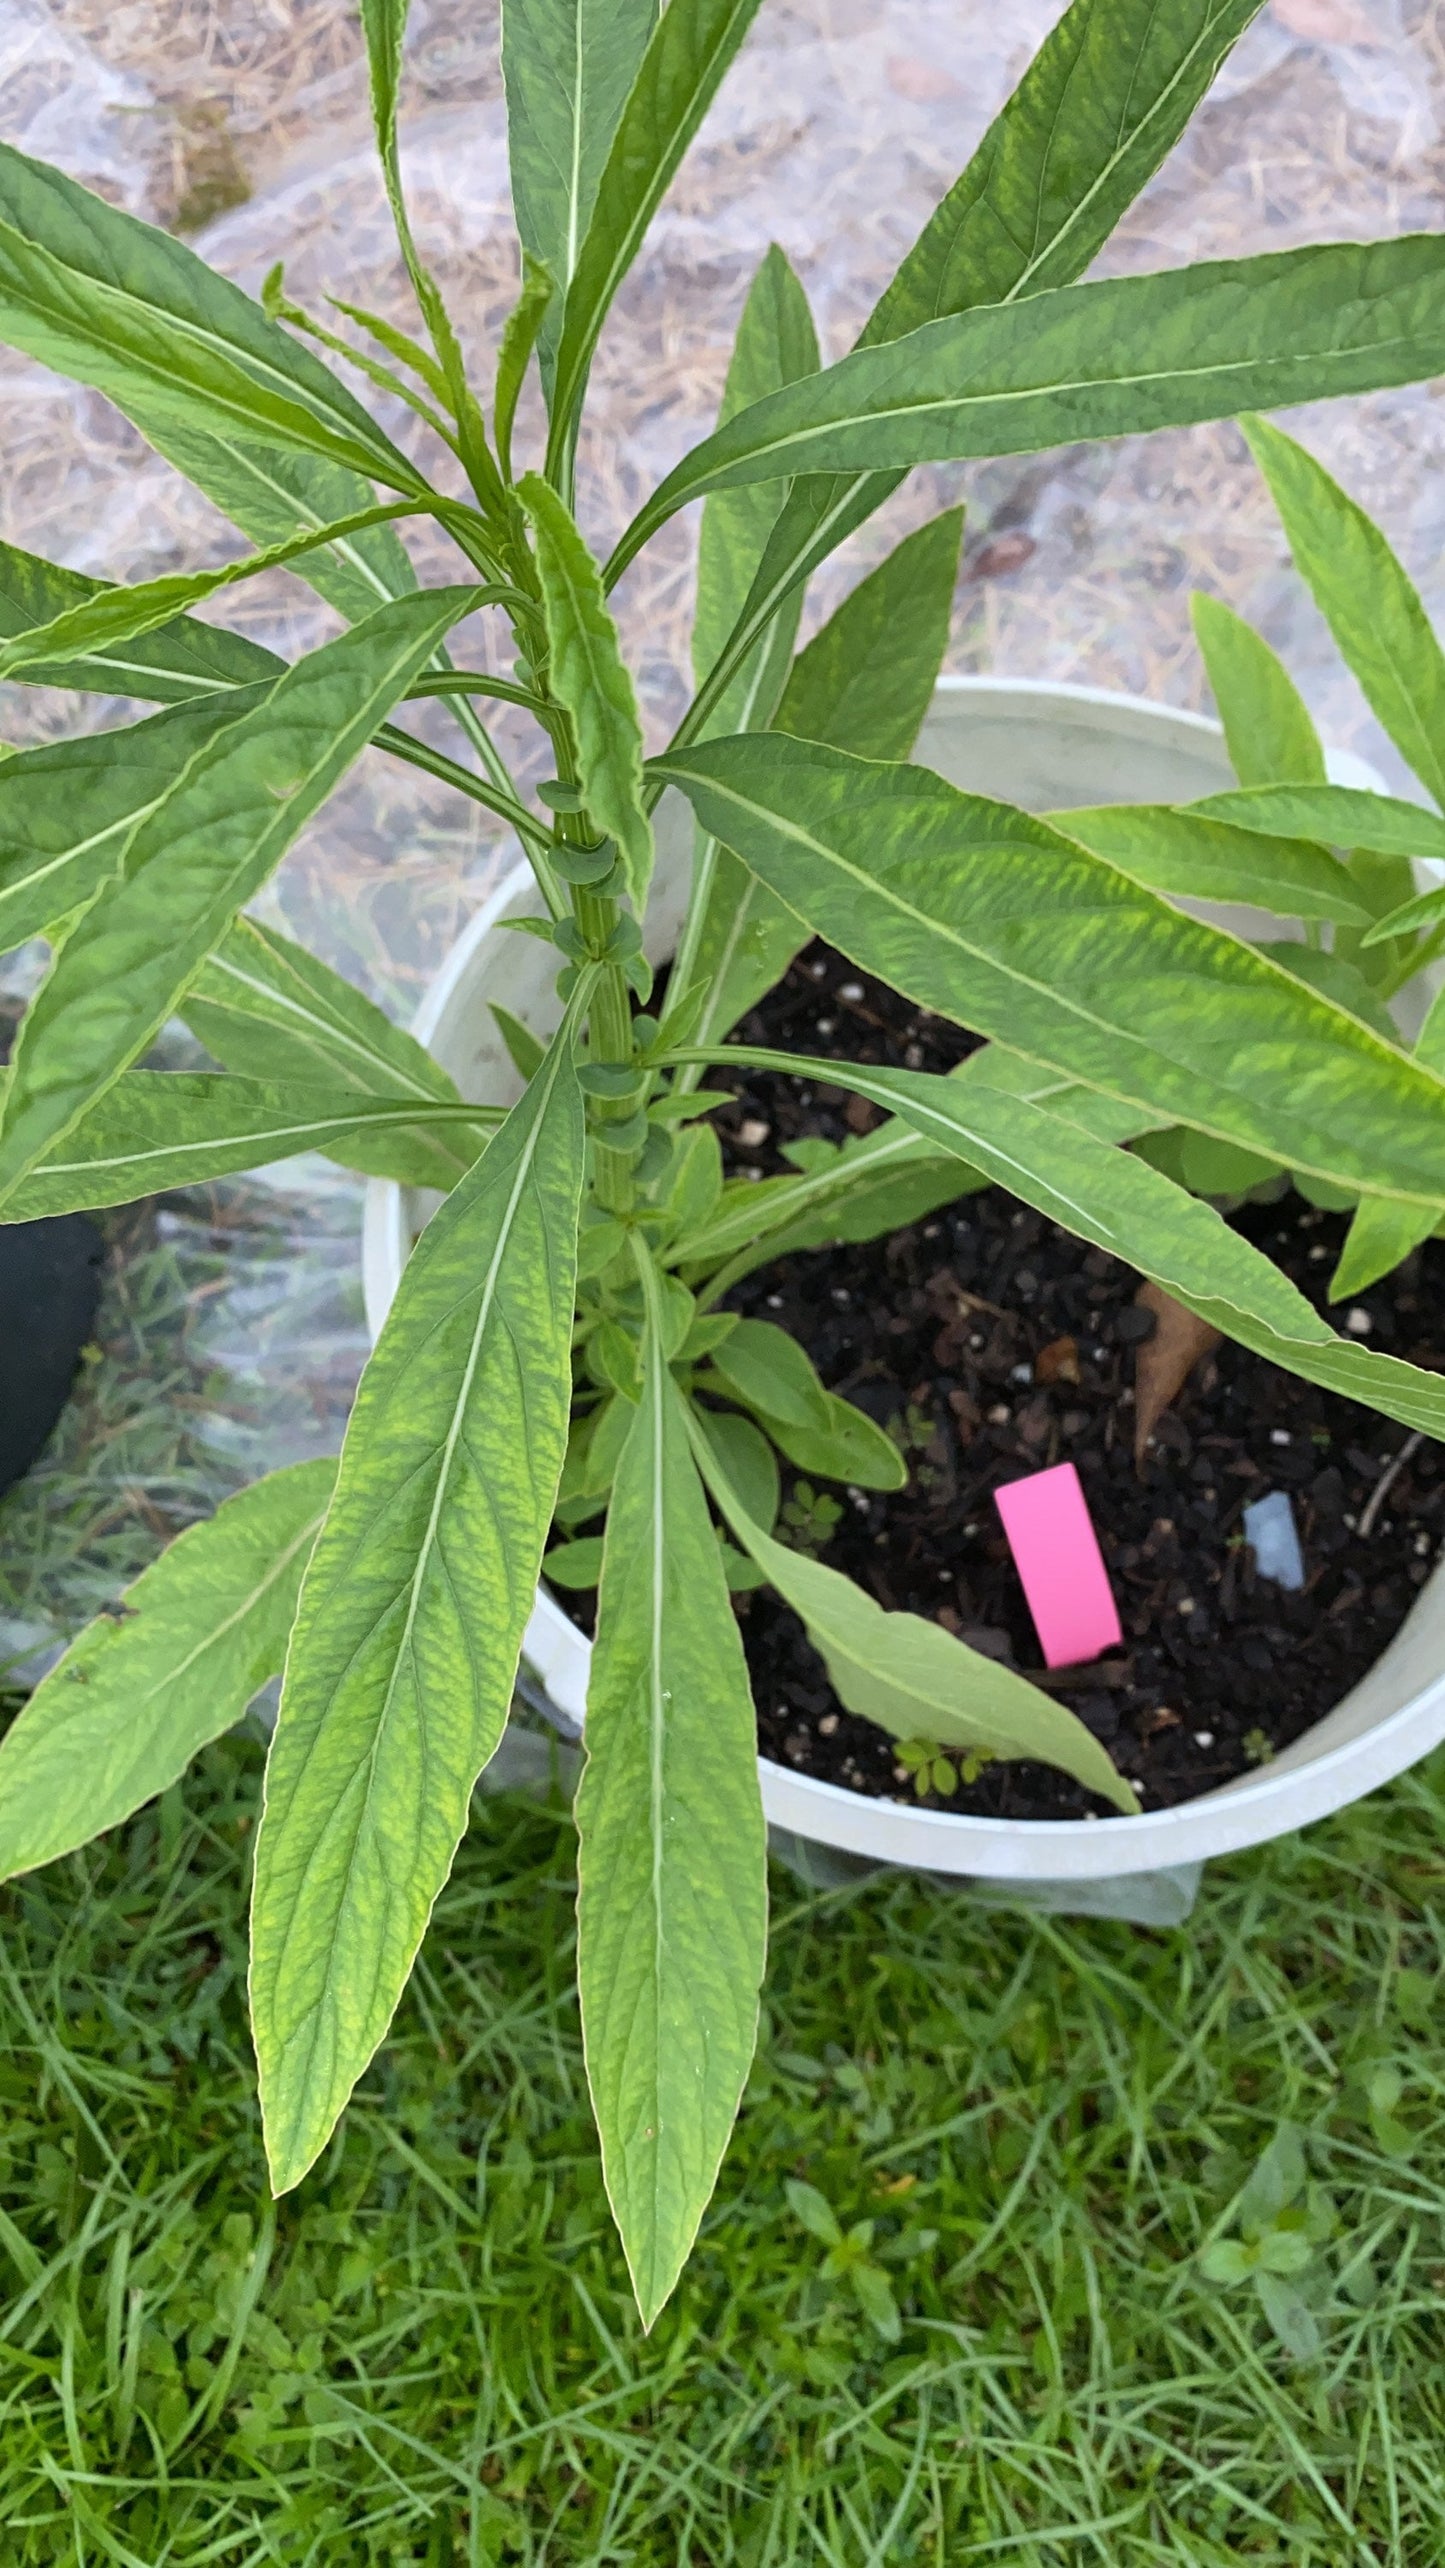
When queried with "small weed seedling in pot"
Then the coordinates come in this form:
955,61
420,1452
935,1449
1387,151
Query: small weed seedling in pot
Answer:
558,1368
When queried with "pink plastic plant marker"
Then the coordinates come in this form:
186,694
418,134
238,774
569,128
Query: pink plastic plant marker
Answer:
1057,1556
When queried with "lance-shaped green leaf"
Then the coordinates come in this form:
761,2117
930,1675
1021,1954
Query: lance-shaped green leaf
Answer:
409,356
411,1619
1108,360
879,1183
1427,909
909,1675
109,617
1106,96
866,680
1430,1041
1379,1237
111,302
67,811
768,1370
151,1681
271,493
1372,608
155,1130
993,918
384,25
687,53
1180,851
1101,104
193,860
1385,835
265,1006
849,1448
864,683
178,661
870,1187
672,1887
1116,1200
776,344
520,333
1338,814
567,66
590,677
728,908
1267,727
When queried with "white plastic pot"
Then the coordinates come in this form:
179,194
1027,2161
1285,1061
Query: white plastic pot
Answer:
1045,747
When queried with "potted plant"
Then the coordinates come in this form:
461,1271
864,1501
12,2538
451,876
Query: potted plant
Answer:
559,1333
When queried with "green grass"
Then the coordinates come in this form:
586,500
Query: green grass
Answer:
428,2356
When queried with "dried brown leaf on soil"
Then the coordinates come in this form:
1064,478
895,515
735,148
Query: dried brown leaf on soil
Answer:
1165,1360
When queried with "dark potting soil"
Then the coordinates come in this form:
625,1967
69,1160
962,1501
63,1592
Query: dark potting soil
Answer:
997,1344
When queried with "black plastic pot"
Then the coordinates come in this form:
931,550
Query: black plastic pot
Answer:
50,1276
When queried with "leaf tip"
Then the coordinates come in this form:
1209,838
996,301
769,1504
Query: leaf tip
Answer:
289,2158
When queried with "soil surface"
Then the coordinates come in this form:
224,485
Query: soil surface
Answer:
1000,1344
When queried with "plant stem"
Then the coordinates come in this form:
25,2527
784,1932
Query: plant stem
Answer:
609,1036
1415,961
470,682
596,913
503,782
609,1023
435,762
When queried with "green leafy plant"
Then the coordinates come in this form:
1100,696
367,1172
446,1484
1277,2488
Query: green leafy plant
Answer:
933,1770
1338,863
559,1367
1281,2222
848,2261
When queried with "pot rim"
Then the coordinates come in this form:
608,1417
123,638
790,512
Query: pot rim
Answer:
1287,1793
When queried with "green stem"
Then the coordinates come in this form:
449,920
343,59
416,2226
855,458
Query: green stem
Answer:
704,867
649,1279
503,782
473,535
609,1038
1415,961
609,1022
469,536
463,682
435,762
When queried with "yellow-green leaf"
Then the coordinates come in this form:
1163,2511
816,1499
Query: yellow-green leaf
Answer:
193,859
996,920
411,1619
173,1664
672,1896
